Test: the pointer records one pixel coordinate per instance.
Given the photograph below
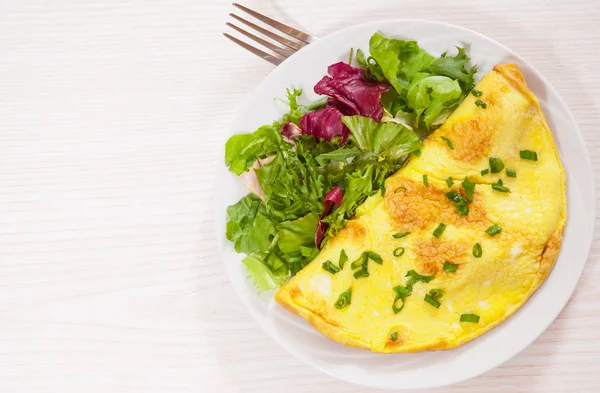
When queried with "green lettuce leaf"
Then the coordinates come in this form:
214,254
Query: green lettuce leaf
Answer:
430,95
261,274
248,227
388,140
341,155
399,60
297,233
241,150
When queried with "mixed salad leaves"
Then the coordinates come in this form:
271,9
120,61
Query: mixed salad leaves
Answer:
309,171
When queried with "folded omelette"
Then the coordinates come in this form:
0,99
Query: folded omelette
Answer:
463,236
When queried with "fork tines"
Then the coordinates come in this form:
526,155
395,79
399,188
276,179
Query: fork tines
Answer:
279,53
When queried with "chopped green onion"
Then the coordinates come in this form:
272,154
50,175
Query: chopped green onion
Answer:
414,277
462,209
469,318
328,266
481,104
432,301
417,153
436,293
361,261
528,155
425,181
449,142
400,188
449,182
343,259
469,188
400,235
493,230
375,257
496,165
344,299
455,196
477,251
439,230
399,308
485,172
500,186
450,267
461,203
394,336
398,252
511,172
476,93
403,292
364,272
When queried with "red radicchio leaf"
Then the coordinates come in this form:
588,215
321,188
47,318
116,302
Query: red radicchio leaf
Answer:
290,131
325,124
333,197
353,93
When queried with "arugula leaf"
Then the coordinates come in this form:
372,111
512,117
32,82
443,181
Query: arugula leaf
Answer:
430,95
264,278
455,68
388,140
297,233
399,60
357,187
295,112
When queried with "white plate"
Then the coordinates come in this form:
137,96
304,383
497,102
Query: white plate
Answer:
427,369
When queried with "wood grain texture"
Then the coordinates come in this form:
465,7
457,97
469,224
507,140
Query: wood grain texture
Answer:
112,117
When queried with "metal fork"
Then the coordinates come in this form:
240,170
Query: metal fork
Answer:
279,53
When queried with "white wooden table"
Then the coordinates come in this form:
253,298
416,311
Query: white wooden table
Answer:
112,114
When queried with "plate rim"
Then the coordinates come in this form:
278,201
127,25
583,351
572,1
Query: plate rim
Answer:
474,372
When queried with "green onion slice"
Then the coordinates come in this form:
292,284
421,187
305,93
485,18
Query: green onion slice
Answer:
476,93
496,165
485,172
449,142
400,235
398,307
449,182
528,155
417,153
364,272
432,301
469,188
343,259
328,266
375,257
500,186
511,172
361,261
394,336
450,267
344,299
425,181
436,293
477,251
469,318
398,252
481,104
400,188
493,230
439,230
